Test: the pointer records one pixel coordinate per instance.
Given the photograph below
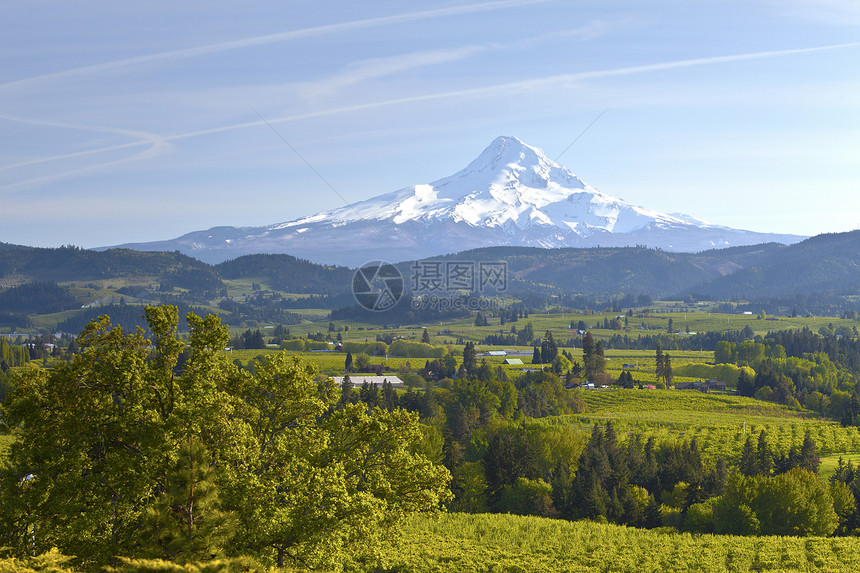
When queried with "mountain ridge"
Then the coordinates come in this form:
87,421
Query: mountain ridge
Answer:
825,269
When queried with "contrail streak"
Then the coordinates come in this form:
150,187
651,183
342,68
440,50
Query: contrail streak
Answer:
542,82
272,39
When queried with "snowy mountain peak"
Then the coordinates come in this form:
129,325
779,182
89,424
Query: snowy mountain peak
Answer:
506,150
511,194
511,186
507,161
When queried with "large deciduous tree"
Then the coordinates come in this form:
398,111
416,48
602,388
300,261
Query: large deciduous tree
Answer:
123,452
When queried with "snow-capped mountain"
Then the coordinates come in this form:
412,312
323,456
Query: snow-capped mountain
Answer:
512,194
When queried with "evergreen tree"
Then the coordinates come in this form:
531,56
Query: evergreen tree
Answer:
388,398
347,366
526,335
536,357
369,394
509,456
548,348
659,368
425,337
561,483
745,386
749,464
715,481
599,357
809,458
347,392
589,356
470,358
253,340
186,522
764,456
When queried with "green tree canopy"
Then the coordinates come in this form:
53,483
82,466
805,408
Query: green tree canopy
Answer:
208,459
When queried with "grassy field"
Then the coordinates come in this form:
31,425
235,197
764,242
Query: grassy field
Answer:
332,363
485,542
829,463
653,322
720,423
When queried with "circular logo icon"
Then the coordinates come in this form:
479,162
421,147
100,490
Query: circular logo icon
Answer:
377,286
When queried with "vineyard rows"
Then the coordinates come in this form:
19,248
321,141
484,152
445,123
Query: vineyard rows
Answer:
719,423
486,542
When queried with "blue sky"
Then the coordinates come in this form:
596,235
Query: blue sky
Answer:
143,121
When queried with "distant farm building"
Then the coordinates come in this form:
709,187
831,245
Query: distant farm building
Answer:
702,386
358,380
513,361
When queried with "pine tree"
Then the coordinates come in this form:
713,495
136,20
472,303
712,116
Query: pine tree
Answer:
809,458
589,356
536,357
745,386
388,397
659,368
764,457
348,364
425,338
186,523
369,393
599,357
748,465
347,393
548,348
470,358
562,483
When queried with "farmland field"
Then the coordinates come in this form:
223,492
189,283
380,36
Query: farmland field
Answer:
486,542
719,423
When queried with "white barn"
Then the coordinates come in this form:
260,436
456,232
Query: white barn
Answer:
358,380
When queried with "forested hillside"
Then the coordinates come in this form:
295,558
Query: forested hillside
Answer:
816,276
287,273
796,270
